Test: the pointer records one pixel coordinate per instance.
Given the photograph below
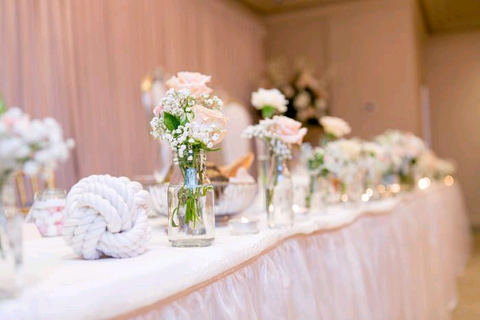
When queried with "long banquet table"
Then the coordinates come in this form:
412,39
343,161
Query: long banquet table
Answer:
397,258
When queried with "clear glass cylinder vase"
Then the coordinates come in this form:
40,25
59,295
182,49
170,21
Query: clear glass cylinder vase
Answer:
263,166
10,239
279,196
353,186
330,189
191,216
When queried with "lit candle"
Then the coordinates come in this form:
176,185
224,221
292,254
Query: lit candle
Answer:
423,183
448,180
243,226
395,188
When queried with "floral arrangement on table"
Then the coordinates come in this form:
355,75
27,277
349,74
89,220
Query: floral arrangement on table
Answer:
189,118
405,149
354,165
191,121
315,161
32,146
339,164
306,93
376,162
430,166
334,128
279,133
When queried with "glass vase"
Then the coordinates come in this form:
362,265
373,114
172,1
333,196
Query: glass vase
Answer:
312,190
301,191
330,189
353,186
48,211
10,239
373,184
191,217
263,165
279,197
391,181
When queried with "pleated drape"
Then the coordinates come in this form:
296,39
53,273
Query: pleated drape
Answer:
82,61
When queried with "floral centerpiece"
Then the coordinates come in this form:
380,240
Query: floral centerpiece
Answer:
431,167
306,93
444,168
280,134
269,102
376,163
28,146
334,128
316,170
191,121
32,146
405,149
342,160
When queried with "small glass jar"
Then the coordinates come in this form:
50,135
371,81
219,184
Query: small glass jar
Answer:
191,217
279,200
48,212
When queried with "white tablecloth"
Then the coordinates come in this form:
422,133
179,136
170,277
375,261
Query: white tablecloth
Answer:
394,259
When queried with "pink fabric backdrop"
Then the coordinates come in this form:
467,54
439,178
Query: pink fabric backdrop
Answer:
82,61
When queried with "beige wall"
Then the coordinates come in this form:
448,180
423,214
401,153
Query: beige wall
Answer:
373,45
453,72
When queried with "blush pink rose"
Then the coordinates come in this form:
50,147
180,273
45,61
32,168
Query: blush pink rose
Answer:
195,82
158,110
208,118
289,130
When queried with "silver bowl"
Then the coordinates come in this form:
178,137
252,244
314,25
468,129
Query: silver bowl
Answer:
230,198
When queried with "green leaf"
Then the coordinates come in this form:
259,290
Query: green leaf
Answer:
171,121
268,111
3,106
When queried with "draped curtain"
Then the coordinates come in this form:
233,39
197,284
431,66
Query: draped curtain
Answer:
81,61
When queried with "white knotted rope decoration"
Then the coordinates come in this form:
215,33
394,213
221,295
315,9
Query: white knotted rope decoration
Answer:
107,216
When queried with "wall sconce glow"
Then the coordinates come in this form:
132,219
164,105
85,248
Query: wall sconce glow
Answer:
365,197
448,180
395,188
423,183
344,198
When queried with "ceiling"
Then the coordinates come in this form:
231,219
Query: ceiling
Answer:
277,6
451,15
440,15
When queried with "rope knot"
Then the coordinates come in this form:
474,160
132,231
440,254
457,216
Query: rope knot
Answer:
107,216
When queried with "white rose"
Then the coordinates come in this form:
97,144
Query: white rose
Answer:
335,126
269,98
